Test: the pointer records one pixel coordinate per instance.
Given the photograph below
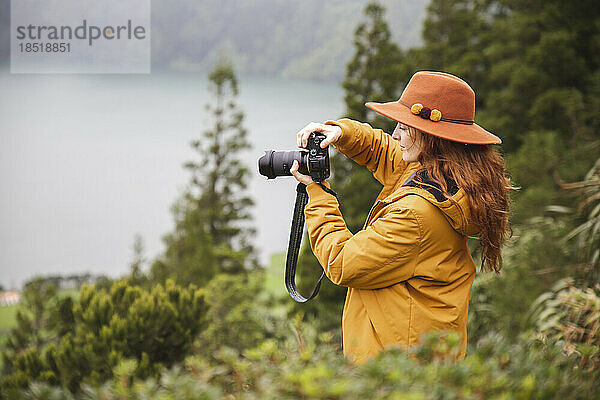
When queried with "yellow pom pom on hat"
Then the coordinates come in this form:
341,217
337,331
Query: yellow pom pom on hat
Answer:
439,104
416,108
436,115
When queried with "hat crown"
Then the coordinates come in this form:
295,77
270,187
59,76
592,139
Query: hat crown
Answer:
437,90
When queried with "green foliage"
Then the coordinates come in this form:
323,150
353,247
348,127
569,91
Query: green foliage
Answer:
536,61
136,273
540,255
40,318
588,233
211,232
8,317
316,370
94,333
534,260
534,66
274,275
571,317
535,71
374,72
532,166
455,33
237,316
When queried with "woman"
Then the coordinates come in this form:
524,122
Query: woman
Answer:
409,270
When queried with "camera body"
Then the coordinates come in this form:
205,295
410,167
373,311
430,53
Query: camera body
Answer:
314,161
318,158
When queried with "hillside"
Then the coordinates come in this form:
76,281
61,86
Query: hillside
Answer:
309,39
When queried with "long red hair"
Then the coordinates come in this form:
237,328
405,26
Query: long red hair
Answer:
480,172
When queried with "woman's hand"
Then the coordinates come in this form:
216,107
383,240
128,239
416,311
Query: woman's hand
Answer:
332,134
306,179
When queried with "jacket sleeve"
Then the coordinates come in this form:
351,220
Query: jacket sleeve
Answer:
370,147
381,255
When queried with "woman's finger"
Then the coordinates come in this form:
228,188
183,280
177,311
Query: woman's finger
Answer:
331,133
310,128
302,133
315,127
330,139
300,177
295,167
306,131
294,171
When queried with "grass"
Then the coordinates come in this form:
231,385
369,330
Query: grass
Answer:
274,274
8,318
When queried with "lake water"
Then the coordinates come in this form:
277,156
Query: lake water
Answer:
88,161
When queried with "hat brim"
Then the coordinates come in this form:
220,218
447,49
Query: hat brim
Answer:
457,132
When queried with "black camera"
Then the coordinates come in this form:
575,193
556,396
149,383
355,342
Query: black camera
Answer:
314,162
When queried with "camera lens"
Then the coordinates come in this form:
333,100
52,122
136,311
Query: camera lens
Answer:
265,165
278,163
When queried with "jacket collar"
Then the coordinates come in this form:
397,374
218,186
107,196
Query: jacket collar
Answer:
456,209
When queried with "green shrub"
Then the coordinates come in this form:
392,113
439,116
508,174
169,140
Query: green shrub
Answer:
276,370
237,317
571,317
155,328
534,260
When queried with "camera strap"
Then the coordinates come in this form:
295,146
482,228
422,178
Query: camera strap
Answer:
294,247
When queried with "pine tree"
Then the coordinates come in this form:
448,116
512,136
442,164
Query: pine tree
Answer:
33,318
534,67
136,275
452,33
212,233
43,317
544,81
377,72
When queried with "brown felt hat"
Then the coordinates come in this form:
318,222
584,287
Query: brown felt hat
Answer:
440,104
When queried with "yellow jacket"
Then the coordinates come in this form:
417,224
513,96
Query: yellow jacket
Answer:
409,270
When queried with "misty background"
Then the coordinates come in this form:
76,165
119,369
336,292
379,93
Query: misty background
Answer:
309,40
88,161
